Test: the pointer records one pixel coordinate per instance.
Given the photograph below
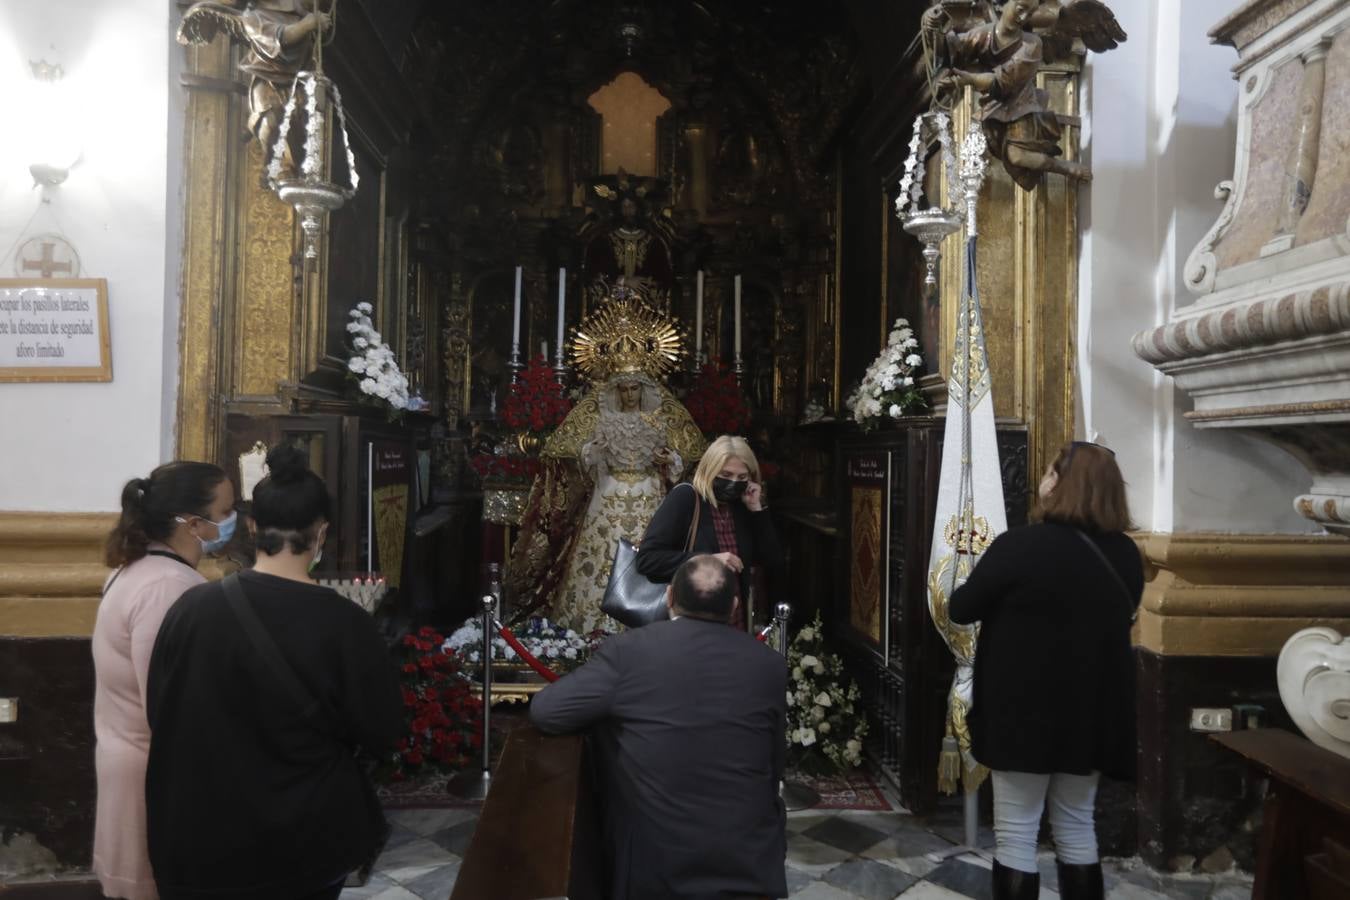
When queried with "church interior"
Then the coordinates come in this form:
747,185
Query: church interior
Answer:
439,246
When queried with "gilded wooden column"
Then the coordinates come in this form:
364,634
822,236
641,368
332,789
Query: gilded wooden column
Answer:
210,124
1028,281
242,328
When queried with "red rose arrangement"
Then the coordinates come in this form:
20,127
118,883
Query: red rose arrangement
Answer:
445,720
715,401
536,402
536,405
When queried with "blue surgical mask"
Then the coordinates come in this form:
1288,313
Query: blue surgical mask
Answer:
225,527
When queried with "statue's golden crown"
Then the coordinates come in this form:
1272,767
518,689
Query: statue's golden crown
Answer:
625,335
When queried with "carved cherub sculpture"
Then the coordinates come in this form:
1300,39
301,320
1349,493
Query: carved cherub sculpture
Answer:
998,52
279,37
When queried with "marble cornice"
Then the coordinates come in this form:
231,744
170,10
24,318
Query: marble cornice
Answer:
1253,19
1323,310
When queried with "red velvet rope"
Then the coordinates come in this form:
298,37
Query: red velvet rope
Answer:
530,659
763,636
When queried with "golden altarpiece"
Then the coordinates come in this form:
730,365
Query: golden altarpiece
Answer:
790,183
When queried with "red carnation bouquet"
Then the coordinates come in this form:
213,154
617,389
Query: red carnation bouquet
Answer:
537,402
445,720
715,402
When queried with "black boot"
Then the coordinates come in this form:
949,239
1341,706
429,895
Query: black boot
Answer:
1014,884
1081,882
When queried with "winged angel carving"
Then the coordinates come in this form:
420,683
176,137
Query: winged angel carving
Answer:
998,51
278,36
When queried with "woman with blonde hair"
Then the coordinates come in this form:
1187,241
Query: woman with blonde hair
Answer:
1054,670
733,518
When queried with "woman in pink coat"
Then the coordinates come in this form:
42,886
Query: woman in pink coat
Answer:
169,520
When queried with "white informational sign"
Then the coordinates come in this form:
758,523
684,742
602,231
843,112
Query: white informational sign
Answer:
54,329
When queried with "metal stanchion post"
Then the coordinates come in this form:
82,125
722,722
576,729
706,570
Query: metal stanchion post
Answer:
795,794
475,785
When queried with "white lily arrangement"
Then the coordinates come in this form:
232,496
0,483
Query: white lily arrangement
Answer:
824,727
373,363
888,388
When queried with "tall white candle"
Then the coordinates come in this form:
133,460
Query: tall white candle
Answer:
698,320
562,303
515,321
543,349
738,316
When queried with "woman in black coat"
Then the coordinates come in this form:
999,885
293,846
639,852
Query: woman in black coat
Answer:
733,523
261,688
1054,670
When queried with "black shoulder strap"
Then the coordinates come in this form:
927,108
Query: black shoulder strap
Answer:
262,641
1115,576
113,580
120,569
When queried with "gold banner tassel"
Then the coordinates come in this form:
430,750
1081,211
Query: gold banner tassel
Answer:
949,765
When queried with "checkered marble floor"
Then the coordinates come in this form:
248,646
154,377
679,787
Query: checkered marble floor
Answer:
831,856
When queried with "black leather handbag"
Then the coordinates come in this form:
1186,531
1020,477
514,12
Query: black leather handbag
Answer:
631,598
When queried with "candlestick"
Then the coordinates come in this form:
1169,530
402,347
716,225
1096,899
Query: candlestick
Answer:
515,321
543,350
737,345
562,305
515,365
560,352
698,320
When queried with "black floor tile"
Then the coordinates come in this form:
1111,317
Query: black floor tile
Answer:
964,878
845,835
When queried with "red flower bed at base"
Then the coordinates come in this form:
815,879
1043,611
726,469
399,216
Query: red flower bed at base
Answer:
445,720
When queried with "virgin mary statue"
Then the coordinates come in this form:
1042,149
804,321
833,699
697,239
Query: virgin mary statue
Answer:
606,468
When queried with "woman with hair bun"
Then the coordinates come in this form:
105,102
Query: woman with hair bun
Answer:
168,521
262,687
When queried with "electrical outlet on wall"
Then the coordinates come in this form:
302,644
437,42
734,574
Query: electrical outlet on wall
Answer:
1211,720
9,709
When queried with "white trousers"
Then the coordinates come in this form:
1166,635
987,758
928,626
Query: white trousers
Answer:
1019,800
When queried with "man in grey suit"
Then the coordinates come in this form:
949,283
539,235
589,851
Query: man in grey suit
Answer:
688,718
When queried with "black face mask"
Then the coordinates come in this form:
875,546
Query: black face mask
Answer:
728,491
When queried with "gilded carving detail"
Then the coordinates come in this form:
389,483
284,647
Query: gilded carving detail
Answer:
502,506
266,309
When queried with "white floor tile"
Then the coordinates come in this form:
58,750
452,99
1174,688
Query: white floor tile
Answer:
925,890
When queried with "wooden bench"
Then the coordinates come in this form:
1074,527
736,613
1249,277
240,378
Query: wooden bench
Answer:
1303,850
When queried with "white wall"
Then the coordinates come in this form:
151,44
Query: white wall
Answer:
71,446
1162,118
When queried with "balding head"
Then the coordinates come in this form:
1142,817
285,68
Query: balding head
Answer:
704,587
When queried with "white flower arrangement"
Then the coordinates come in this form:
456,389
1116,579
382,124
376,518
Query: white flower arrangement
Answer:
554,645
373,363
824,727
888,388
